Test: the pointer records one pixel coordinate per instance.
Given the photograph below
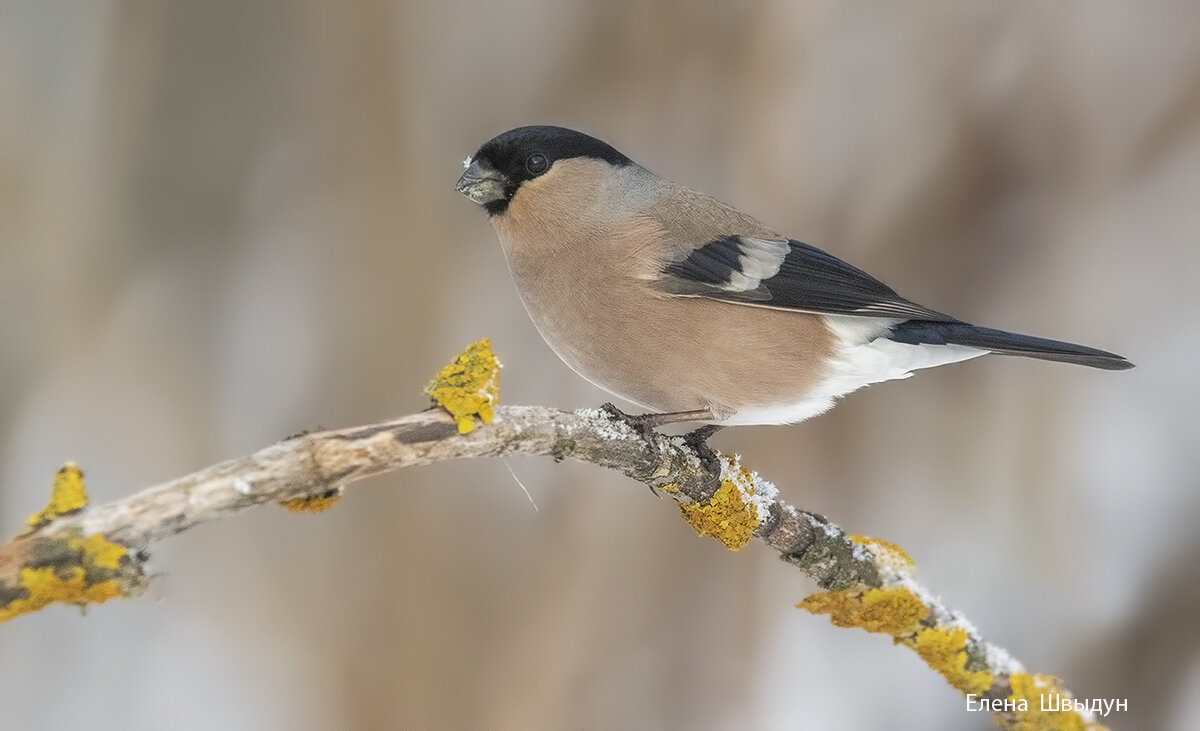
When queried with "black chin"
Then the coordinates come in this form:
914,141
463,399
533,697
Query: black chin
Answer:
496,207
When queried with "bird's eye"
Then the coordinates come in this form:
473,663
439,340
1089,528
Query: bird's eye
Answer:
536,163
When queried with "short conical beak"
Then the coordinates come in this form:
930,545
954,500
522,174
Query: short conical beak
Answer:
481,183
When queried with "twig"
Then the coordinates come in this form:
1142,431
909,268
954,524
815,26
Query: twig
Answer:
82,555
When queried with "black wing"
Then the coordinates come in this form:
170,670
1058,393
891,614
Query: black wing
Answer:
788,275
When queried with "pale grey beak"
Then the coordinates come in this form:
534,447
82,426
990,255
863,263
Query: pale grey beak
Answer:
481,183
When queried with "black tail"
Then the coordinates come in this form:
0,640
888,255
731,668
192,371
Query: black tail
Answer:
921,332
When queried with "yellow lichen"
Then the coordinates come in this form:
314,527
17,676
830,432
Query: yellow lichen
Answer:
945,650
469,386
670,487
1031,688
313,503
68,495
888,554
728,515
87,572
899,612
99,551
44,586
895,611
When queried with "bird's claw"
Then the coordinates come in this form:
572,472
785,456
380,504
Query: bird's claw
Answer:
640,424
697,439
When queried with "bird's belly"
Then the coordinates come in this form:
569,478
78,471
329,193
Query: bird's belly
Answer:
748,365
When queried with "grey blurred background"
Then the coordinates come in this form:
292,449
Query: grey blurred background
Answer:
221,223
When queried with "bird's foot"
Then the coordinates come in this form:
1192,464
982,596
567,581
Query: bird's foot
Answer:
656,420
697,439
639,424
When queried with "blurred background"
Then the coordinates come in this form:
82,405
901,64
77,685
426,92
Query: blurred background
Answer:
225,222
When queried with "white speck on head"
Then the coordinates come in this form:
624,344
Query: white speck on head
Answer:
242,486
466,162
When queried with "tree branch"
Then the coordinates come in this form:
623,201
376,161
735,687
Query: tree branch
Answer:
82,555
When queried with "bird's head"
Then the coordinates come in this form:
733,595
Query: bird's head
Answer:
497,172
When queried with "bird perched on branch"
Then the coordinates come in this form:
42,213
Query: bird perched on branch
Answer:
692,309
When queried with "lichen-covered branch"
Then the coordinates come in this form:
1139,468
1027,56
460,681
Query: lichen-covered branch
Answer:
78,554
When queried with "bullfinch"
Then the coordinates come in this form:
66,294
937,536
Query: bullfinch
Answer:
692,309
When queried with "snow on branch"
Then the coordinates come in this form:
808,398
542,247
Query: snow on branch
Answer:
73,553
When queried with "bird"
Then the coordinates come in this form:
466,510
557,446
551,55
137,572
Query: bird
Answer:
693,310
